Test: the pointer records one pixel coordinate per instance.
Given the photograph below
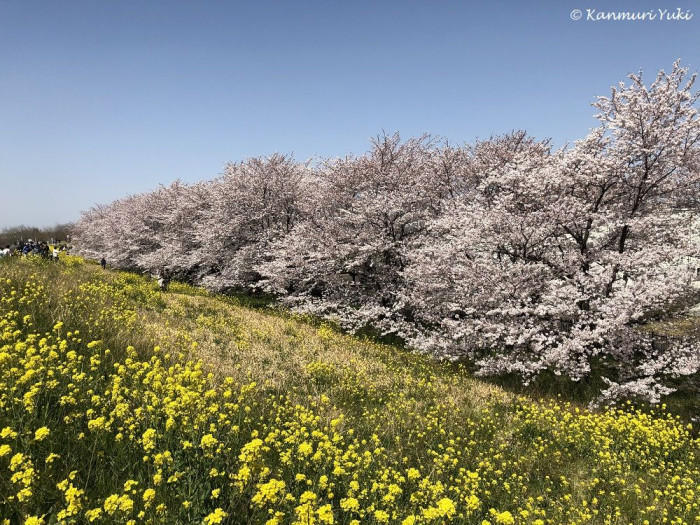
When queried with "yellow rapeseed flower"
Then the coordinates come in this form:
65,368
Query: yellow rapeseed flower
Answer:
41,433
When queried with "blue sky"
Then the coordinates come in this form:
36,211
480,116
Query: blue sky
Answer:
99,99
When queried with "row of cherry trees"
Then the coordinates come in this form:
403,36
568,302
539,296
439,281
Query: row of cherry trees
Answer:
515,256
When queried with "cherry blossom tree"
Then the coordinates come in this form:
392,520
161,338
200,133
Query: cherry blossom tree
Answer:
557,258
149,232
253,204
516,257
345,260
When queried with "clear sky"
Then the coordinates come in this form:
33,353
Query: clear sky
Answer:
100,99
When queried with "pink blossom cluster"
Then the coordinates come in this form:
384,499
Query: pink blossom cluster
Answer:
508,253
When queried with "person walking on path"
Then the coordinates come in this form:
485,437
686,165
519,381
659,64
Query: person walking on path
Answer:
103,263
163,280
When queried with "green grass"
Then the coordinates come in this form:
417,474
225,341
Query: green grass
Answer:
354,429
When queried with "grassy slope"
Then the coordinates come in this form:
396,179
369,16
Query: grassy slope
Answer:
476,447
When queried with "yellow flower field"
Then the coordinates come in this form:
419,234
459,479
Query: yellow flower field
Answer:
122,404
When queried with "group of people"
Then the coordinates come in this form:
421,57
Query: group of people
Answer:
30,247
42,249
